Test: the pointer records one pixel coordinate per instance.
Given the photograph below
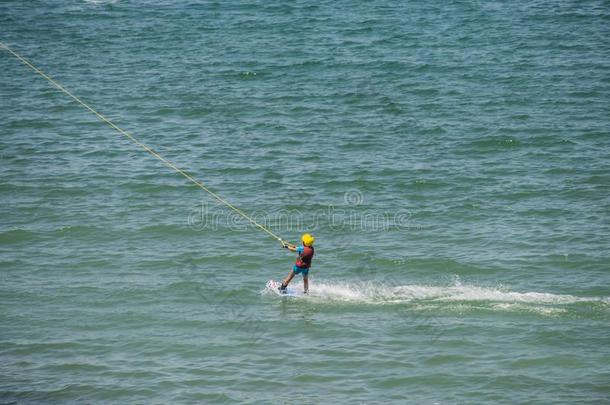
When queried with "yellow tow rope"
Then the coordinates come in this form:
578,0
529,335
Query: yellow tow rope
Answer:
140,144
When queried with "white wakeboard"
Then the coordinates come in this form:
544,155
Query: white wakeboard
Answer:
274,286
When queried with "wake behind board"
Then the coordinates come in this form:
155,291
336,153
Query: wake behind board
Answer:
273,286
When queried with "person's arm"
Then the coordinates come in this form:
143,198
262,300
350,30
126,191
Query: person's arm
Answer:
289,246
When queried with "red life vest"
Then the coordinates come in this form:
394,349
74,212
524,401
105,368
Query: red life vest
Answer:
304,259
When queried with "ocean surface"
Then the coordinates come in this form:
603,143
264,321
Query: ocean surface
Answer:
451,158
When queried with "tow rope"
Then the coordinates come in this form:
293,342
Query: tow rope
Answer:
142,145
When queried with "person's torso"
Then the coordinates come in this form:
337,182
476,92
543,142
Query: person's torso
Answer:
304,259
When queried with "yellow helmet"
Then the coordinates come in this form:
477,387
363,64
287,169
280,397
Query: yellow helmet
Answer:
307,239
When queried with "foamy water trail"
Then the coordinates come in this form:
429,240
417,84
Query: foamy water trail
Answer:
496,297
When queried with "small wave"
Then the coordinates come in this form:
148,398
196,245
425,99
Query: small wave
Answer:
16,235
101,2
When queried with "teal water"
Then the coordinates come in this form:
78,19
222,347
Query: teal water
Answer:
451,158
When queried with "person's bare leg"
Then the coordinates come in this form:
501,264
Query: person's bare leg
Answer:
288,279
306,283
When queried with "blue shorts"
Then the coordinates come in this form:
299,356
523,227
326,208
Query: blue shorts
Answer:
299,270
